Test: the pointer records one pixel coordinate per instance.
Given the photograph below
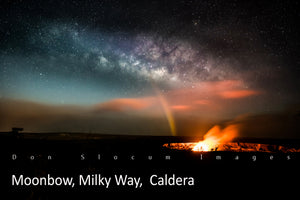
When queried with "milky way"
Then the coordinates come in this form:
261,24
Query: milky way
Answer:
67,58
85,66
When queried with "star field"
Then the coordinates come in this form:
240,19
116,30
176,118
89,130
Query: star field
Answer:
93,52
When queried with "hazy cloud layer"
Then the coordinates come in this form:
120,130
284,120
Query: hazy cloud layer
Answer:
132,117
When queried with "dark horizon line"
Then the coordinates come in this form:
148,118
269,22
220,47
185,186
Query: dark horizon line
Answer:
100,136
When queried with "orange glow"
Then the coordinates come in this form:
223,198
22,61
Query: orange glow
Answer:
205,145
204,97
180,107
202,102
216,136
236,94
232,146
124,104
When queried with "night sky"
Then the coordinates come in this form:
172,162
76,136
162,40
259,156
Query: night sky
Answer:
150,67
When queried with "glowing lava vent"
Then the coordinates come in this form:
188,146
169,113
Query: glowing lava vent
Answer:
217,139
216,136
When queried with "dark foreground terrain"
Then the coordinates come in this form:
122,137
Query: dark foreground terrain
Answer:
72,155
